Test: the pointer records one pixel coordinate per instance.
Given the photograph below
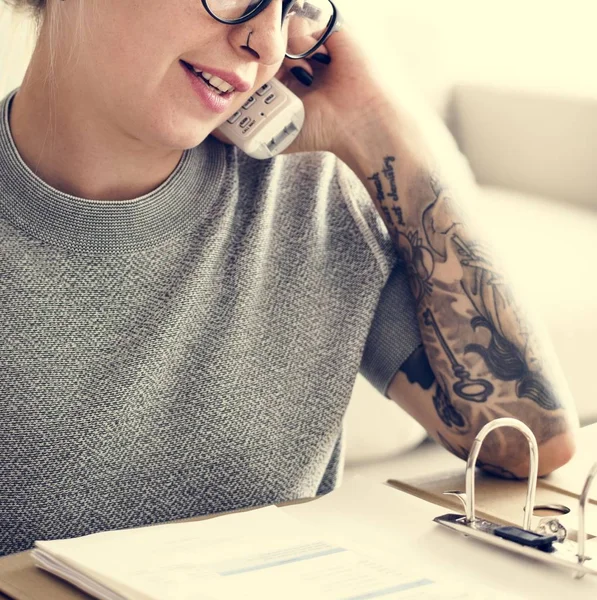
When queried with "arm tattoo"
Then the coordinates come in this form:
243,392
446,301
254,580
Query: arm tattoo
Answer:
480,348
503,357
446,411
467,388
418,370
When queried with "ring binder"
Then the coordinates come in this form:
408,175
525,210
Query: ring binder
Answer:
582,506
562,551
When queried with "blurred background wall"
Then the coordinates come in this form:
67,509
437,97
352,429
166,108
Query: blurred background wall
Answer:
16,45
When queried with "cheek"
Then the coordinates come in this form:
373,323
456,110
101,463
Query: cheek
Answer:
111,61
266,73
126,42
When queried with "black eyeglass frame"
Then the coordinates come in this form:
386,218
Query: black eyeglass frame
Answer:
334,25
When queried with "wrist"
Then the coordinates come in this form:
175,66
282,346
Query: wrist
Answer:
390,131
385,154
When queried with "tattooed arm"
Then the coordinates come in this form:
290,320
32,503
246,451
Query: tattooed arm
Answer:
481,358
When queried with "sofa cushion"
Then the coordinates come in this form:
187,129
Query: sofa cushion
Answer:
529,140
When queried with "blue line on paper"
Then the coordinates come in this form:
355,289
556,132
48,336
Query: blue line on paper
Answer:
277,563
397,588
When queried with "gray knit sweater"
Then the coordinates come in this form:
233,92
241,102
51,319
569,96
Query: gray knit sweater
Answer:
189,351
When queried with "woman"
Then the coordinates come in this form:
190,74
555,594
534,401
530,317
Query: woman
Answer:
184,324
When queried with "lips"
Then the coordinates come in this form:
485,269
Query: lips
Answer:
210,98
200,76
236,81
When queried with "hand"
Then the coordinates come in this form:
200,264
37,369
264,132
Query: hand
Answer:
345,96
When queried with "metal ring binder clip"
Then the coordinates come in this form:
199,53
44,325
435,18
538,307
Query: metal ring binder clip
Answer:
548,542
582,534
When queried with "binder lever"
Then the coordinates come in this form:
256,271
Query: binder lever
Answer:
548,544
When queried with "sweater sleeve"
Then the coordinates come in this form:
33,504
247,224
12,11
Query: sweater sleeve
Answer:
394,332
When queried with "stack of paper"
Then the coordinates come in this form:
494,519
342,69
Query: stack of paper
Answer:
263,553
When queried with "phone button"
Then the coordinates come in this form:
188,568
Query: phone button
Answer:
248,128
249,102
235,117
264,89
244,121
270,98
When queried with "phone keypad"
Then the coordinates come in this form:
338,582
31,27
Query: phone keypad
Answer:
246,120
249,127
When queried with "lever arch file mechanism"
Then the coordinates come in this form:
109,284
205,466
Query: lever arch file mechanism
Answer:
548,542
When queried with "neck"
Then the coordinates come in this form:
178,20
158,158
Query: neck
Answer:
64,138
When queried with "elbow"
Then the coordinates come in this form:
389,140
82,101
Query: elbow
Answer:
556,452
555,433
505,452
512,459
553,454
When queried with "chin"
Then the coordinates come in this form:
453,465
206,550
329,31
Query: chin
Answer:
183,138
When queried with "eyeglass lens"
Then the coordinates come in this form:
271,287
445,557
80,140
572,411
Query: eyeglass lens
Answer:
307,20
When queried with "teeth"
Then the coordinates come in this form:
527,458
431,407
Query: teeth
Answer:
219,83
214,81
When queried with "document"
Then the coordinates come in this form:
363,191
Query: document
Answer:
263,553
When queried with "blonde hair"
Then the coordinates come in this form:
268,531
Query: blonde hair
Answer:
43,15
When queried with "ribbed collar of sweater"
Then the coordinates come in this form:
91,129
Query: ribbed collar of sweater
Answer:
103,226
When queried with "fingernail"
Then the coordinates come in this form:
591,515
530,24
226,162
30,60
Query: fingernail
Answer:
322,58
302,75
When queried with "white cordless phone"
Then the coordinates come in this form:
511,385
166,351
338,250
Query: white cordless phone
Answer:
268,121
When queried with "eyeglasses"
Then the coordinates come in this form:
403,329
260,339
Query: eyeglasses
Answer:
310,23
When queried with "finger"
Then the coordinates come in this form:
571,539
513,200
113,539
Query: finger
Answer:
293,71
302,70
320,57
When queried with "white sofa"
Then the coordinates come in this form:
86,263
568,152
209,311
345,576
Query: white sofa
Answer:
532,155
